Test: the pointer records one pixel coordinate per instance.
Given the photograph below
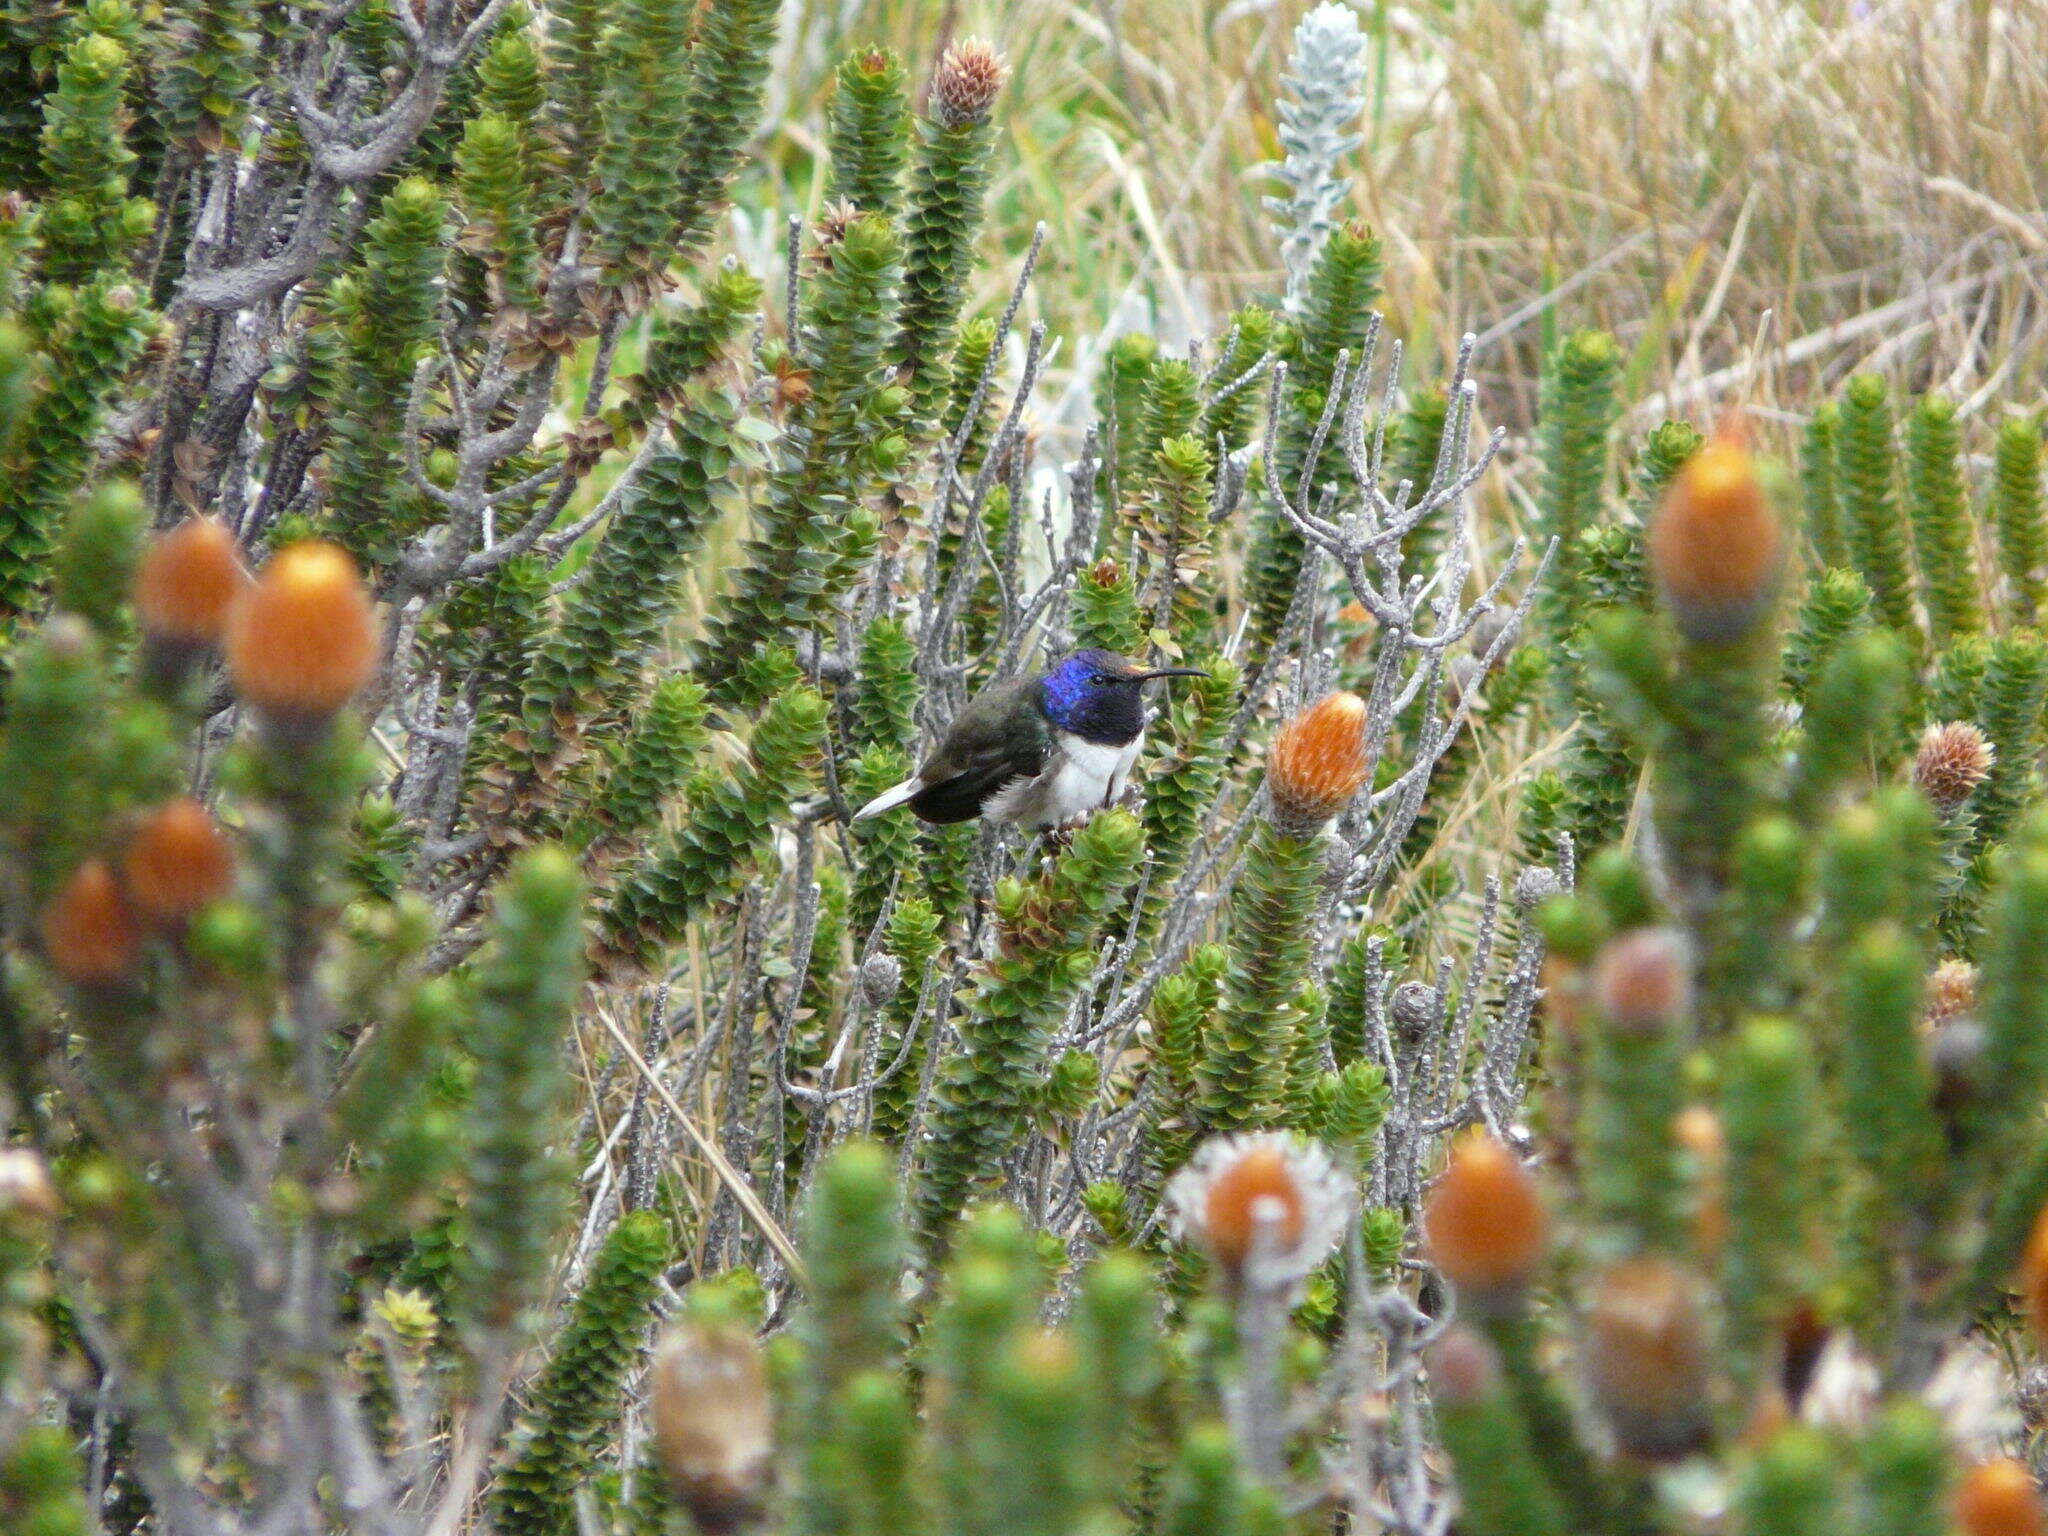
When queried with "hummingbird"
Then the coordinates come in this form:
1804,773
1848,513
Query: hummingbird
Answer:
1038,750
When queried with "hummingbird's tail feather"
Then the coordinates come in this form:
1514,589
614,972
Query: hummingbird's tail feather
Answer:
889,799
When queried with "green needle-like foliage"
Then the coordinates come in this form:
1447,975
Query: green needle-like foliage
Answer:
1244,1064
1793,1488
581,1392
205,85
884,847
1207,1495
1182,775
1414,446
1633,1093
89,341
868,135
89,216
812,532
948,178
724,830
526,987
2015,685
41,1485
1106,616
1231,415
1174,533
53,753
1903,1472
1126,372
1867,483
1046,927
651,765
852,1324
388,317
1939,504
913,941
884,709
2019,523
496,188
729,59
1501,1486
1575,414
1888,1092
96,560
1768,1115
2014,990
648,70
1819,454
1835,605
620,608
1342,288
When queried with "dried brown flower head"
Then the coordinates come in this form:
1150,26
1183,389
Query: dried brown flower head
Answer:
713,1421
1643,980
1646,1358
1953,760
1483,1221
1951,991
89,931
1463,1368
1715,544
834,220
178,861
1318,762
966,83
303,639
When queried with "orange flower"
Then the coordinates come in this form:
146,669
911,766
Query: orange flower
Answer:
89,933
1715,544
2034,1276
1646,1358
1998,1498
1238,1190
179,861
1318,763
303,639
187,581
1484,1222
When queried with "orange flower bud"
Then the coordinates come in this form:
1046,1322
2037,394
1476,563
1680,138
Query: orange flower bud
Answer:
179,861
89,933
1318,763
303,639
1646,1358
1484,1221
2034,1276
1998,1498
187,581
713,1422
1715,544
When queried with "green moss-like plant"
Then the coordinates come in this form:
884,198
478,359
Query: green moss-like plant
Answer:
581,1391
1045,928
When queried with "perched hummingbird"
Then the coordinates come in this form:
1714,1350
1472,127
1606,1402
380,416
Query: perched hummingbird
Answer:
1037,750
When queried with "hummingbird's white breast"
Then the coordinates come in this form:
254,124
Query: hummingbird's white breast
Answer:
1079,776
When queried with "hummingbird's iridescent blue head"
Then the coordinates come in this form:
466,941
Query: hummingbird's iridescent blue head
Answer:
1097,695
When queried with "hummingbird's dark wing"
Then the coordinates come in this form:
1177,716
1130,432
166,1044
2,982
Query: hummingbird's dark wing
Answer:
1002,736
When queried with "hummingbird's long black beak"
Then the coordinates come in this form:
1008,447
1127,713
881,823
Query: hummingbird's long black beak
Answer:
1146,677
